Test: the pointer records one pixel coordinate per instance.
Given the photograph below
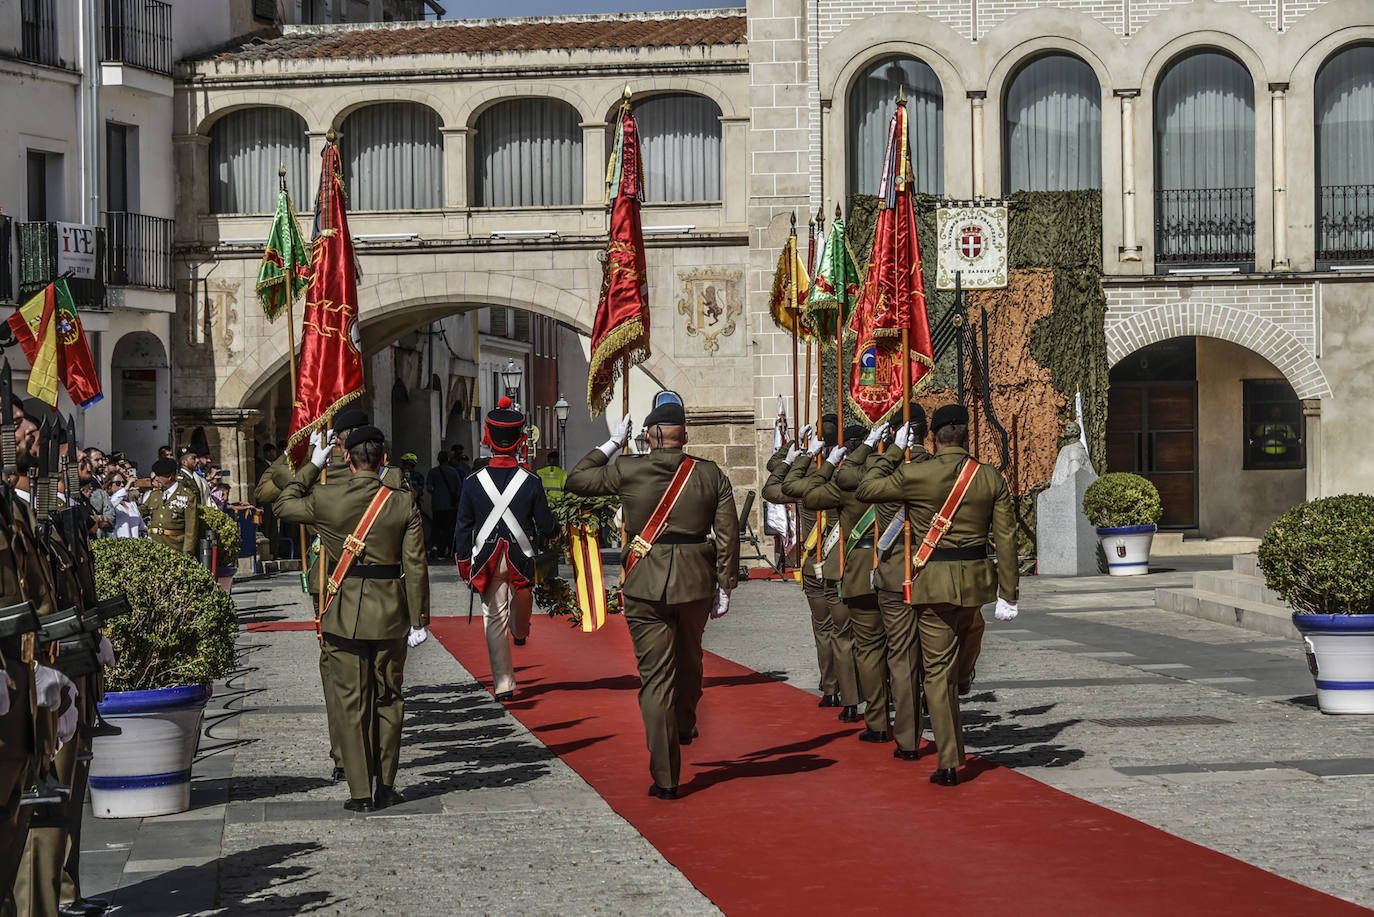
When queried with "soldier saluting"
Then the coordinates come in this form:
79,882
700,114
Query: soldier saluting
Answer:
680,563
171,505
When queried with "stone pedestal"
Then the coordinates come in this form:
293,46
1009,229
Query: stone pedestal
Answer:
1065,542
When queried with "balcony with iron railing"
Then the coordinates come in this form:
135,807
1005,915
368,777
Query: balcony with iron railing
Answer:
1205,227
138,250
6,259
1345,223
38,265
139,33
38,39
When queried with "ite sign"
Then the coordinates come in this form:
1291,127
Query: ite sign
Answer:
76,250
972,242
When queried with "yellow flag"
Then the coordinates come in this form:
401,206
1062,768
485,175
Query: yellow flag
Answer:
38,314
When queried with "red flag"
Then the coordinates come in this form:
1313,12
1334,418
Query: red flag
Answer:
331,367
49,330
893,298
620,332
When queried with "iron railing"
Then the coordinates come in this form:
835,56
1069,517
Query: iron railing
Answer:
38,265
1205,226
138,251
6,259
139,33
1345,223
38,32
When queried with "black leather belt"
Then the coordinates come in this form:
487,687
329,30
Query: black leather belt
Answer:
374,571
974,552
668,538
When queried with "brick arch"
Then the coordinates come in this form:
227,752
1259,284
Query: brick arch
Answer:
1203,319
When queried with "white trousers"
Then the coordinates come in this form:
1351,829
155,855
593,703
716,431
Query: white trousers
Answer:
507,611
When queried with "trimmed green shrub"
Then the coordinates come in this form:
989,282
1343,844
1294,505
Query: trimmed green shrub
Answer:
1120,499
1319,556
226,532
182,626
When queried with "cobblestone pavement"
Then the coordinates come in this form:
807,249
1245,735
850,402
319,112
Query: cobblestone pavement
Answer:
1204,730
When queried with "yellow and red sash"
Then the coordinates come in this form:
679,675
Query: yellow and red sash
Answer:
352,547
658,520
588,577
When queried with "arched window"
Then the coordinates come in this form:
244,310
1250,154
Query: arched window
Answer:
529,154
393,157
1345,156
1053,132
1205,161
872,101
247,147
681,138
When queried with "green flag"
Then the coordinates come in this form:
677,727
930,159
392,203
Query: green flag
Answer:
285,270
836,285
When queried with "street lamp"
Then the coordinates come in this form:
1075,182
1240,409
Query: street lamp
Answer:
641,443
560,412
510,380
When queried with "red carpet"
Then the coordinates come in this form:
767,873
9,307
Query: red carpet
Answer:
786,812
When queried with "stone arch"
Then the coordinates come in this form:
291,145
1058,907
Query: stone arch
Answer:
607,106
508,92
1253,51
347,104
1204,319
237,101
1075,33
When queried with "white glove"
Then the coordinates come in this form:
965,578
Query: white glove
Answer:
323,444
816,446
417,636
620,435
721,604
66,721
805,434
903,437
47,687
105,654
1006,611
792,454
836,455
877,433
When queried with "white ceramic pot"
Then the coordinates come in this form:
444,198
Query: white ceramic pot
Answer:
1340,654
146,770
1127,548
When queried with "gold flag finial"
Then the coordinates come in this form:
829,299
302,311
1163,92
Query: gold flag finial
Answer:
331,136
901,95
281,175
626,94
837,211
794,222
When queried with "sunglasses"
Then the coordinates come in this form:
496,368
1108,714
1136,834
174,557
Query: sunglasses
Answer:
119,482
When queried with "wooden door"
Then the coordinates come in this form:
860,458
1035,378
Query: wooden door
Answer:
1152,431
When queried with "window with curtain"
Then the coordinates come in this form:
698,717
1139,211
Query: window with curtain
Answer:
1053,133
393,157
1205,161
680,134
528,153
873,101
246,149
1345,156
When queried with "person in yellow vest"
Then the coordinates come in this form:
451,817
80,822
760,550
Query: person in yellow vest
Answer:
552,477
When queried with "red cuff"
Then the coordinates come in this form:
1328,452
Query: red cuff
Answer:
464,567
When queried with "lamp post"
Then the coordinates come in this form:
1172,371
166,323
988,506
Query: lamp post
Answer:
510,380
560,412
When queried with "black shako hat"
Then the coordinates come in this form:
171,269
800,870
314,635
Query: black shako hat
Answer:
200,445
949,415
350,419
668,414
505,427
364,434
164,466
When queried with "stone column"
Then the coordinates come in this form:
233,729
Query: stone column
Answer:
977,98
230,434
1312,434
456,168
1278,93
1130,248
316,140
734,175
594,158
192,158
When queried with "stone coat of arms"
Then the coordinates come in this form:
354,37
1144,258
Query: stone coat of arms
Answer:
710,298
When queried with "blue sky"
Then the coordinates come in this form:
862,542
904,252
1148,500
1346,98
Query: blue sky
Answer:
484,9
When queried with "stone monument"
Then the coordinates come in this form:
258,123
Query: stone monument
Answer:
1066,543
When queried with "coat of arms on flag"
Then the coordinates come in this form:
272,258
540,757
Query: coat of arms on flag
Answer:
973,244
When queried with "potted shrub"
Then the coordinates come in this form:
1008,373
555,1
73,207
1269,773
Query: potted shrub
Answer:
1318,557
177,639
226,531
1125,509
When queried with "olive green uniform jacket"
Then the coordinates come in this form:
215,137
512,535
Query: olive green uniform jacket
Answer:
792,487
364,609
831,488
673,573
173,520
923,487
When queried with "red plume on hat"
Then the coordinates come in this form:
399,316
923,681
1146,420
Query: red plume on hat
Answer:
505,427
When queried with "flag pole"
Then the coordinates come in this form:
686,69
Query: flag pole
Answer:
790,290
810,269
291,363
901,183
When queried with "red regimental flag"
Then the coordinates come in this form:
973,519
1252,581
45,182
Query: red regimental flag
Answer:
331,363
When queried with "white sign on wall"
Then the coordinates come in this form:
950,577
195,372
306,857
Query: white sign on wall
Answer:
972,242
76,250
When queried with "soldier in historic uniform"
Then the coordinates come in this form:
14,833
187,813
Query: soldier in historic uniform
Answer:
376,605
171,507
503,516
959,577
681,561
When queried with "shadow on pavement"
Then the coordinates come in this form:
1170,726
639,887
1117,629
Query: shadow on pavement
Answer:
1012,744
253,881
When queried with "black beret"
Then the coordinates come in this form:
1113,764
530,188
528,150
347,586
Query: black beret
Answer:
918,414
949,415
855,431
669,414
830,418
364,434
350,418
164,466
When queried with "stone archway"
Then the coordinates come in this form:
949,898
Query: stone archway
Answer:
141,393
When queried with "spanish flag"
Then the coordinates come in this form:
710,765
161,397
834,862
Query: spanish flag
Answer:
50,333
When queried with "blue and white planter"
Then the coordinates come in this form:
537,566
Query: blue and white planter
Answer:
1127,548
1340,653
147,770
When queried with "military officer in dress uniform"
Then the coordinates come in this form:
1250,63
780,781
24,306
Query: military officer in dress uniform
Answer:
171,506
503,516
681,561
376,607
960,577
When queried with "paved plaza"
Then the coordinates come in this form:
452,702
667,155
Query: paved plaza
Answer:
1203,730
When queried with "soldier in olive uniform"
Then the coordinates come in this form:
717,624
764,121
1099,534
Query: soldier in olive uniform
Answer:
171,506
686,575
960,578
381,609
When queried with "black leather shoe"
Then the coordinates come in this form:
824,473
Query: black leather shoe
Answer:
336,774
519,641
685,738
830,700
967,686
506,697
946,777
79,908
663,792
902,754
850,714
868,735
360,805
386,796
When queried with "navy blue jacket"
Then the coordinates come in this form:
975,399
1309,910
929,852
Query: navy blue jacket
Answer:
476,562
